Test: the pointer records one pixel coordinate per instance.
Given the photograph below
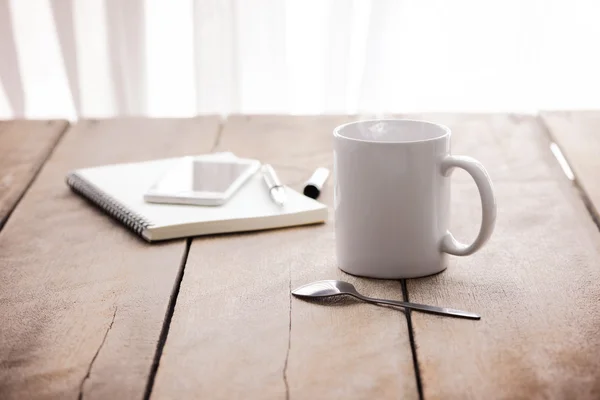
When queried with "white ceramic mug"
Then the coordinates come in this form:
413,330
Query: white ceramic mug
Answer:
392,198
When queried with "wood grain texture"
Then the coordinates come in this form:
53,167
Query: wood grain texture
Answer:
237,332
535,283
24,146
577,133
82,300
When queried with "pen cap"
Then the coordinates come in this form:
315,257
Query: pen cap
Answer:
312,187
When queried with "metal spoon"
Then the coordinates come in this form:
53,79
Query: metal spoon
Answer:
336,288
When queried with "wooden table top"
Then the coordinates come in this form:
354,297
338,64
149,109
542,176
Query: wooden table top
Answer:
89,310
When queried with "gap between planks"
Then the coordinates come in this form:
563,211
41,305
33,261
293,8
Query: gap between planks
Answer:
164,333
4,220
411,338
287,353
587,202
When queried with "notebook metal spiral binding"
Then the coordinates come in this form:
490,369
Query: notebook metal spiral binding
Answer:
130,219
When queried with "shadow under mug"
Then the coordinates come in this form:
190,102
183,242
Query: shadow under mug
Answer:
392,198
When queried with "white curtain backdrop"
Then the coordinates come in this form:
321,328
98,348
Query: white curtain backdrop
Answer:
101,58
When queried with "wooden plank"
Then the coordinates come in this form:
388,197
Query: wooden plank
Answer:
24,146
535,283
82,300
577,134
237,332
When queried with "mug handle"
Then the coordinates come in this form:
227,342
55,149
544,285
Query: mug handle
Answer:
488,205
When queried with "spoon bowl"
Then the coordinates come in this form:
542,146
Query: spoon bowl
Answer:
324,289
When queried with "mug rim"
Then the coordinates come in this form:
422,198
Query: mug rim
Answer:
337,129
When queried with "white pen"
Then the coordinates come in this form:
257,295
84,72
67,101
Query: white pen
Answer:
276,189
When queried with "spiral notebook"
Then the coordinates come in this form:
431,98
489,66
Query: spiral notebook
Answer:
119,189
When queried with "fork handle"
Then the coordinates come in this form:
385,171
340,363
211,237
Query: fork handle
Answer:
424,308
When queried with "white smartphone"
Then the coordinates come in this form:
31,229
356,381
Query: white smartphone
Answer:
204,181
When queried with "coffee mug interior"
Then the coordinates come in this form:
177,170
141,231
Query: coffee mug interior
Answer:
391,131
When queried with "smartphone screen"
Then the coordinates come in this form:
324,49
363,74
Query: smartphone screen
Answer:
215,177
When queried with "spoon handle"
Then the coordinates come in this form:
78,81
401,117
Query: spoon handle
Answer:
424,308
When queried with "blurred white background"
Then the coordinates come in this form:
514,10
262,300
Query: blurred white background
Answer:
101,58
